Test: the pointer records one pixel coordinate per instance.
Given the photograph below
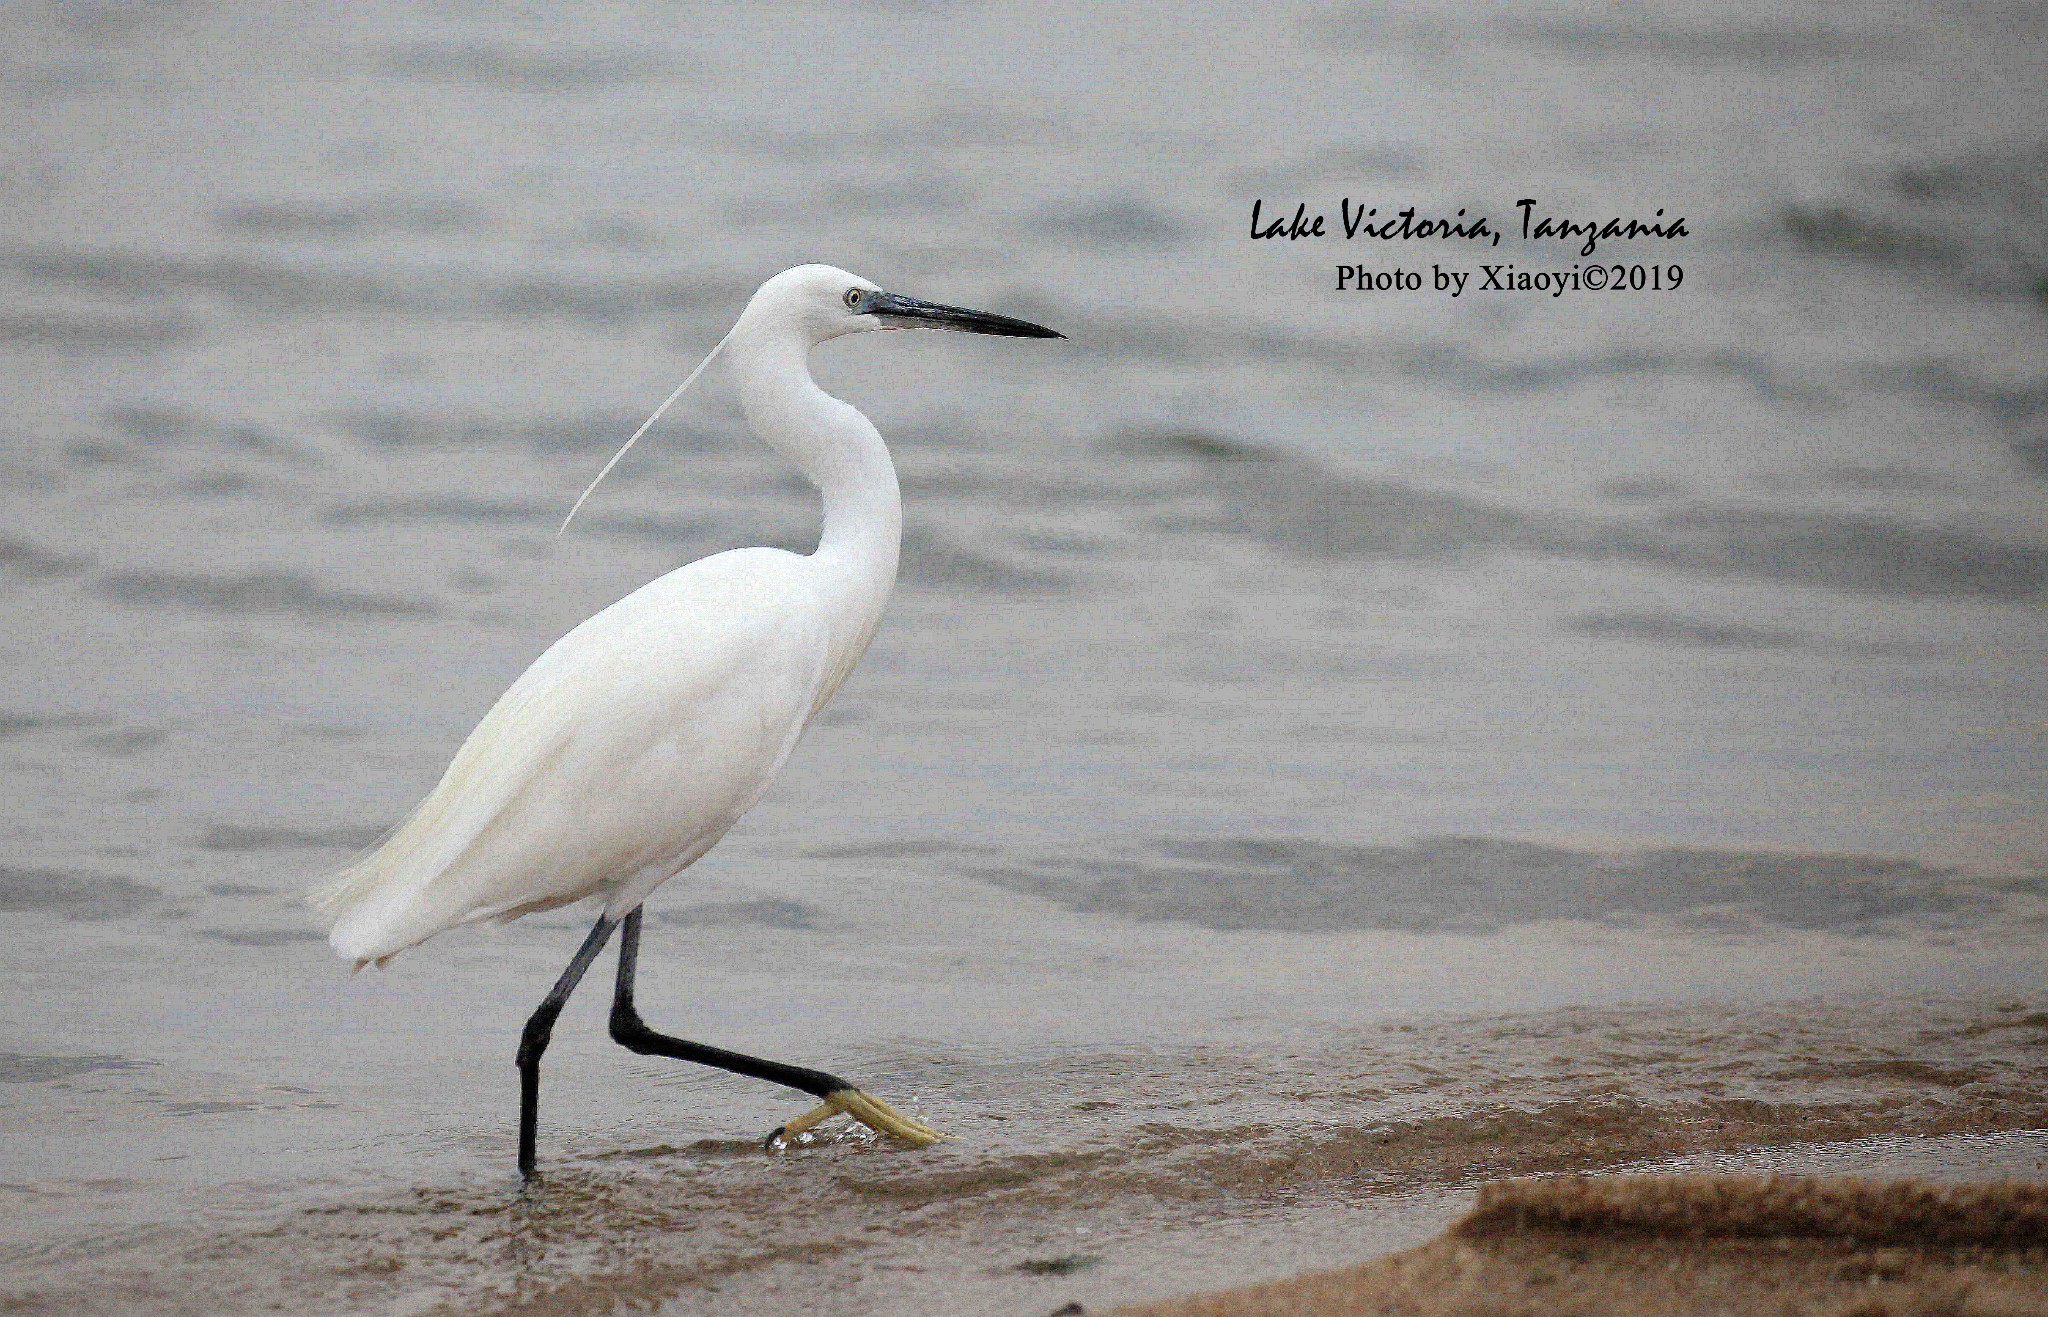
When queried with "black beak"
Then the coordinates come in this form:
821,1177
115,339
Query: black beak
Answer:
900,312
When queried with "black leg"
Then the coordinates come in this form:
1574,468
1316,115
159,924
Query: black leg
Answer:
541,1025
631,1033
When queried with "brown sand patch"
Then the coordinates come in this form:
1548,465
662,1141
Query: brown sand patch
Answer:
1661,1246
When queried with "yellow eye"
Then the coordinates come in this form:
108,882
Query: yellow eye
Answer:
853,297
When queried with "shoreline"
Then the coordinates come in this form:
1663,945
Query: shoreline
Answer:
1129,1177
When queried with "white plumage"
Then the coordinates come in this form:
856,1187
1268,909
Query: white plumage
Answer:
636,741
622,755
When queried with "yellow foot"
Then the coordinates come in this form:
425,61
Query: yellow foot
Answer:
872,1112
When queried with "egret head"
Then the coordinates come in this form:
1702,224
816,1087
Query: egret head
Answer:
824,302
813,303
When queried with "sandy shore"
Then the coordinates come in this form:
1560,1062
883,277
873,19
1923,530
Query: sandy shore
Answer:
1644,1245
1107,1179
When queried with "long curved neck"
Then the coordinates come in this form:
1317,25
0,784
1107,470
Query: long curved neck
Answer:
844,456
835,447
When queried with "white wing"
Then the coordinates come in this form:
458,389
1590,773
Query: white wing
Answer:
618,758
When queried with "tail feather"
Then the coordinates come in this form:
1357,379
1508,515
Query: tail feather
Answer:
337,901
398,896
333,899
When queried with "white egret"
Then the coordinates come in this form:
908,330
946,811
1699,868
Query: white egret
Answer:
637,740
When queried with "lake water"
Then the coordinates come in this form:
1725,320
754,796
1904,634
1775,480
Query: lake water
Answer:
1326,748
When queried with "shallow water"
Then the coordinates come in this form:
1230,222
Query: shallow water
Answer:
1280,681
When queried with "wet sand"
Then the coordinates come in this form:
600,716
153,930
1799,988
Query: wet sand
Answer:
1102,1179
